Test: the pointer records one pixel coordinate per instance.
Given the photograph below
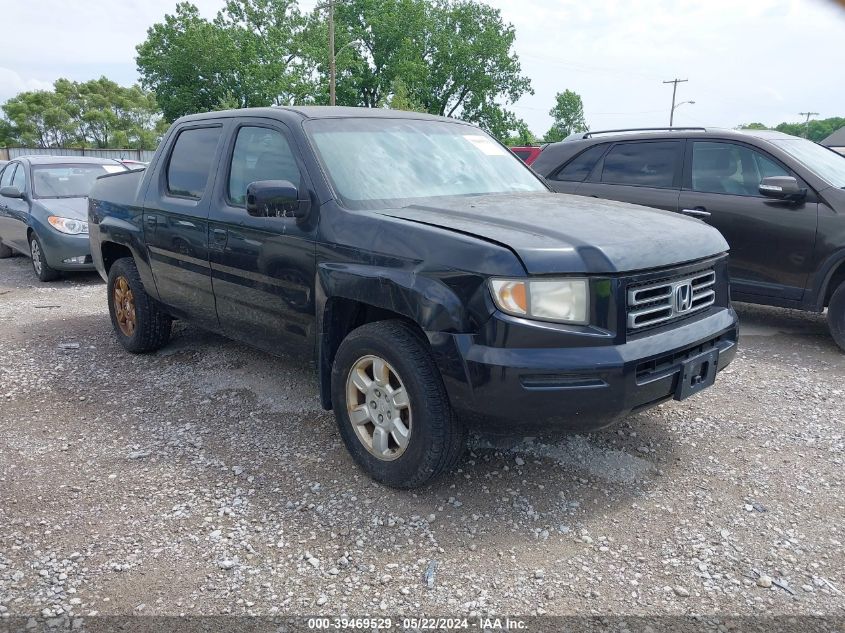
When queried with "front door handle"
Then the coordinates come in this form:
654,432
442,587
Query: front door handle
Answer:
698,212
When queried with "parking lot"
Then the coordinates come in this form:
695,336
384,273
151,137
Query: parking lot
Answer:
205,479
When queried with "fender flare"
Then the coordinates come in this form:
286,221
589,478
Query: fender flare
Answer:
822,279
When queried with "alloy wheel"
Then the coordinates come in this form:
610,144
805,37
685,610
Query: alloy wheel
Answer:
124,306
379,407
36,256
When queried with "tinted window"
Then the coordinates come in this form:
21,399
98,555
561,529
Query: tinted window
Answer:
191,160
580,167
646,164
730,168
19,179
522,153
260,154
6,178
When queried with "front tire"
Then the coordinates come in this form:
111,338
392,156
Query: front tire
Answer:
391,406
39,261
139,323
836,316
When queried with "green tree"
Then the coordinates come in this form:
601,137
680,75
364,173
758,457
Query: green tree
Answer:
816,130
248,56
96,113
452,57
568,115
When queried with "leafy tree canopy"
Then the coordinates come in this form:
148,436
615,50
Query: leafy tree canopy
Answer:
816,130
248,56
96,113
568,115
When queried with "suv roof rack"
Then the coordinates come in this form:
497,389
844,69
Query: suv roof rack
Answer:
579,135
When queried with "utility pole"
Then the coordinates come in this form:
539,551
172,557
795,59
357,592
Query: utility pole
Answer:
329,4
807,122
332,59
674,83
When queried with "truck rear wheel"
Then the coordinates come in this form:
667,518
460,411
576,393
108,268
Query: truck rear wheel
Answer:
140,325
836,316
391,406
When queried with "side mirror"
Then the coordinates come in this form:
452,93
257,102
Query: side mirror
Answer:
782,188
11,192
275,199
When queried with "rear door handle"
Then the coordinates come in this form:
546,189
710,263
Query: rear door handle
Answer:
218,239
698,212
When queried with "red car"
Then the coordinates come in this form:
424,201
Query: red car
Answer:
528,153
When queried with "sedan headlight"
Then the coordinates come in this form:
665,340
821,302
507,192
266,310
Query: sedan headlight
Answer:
66,225
563,300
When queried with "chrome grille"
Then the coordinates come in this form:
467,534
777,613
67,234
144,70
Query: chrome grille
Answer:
657,302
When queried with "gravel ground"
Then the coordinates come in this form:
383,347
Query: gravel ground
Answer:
205,479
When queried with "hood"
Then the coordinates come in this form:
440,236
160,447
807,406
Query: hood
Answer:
71,208
560,233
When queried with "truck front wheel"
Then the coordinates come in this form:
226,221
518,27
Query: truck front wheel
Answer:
139,323
391,406
836,316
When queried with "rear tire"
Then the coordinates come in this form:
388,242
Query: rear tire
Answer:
139,323
836,316
5,251
39,261
428,439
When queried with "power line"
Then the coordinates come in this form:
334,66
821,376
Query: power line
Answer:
674,83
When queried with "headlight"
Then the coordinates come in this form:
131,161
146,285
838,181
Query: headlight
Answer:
66,225
563,300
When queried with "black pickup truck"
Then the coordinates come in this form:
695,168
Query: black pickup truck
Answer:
435,280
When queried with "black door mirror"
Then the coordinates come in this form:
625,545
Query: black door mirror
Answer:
11,192
275,199
782,188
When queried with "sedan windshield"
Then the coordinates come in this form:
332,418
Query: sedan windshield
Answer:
68,180
381,163
825,163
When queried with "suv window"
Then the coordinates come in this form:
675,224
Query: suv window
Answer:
260,154
648,164
730,168
19,179
191,160
580,167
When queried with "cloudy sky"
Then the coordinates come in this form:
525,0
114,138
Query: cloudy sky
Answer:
746,60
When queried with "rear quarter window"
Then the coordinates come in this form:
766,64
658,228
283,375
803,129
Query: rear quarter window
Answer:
577,169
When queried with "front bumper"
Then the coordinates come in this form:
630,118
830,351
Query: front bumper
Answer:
59,247
578,388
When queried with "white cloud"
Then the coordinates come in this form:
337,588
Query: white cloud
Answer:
11,83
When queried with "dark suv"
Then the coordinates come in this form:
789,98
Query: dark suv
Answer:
778,200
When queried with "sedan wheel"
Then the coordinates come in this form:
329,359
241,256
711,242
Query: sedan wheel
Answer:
378,407
39,264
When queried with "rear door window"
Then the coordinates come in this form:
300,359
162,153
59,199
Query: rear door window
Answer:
191,160
647,164
580,167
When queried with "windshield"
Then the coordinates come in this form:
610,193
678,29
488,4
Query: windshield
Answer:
381,163
825,163
68,180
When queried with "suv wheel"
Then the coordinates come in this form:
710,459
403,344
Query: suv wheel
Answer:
836,316
140,325
39,262
391,406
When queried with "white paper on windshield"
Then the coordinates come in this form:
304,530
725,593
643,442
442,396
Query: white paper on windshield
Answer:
485,145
